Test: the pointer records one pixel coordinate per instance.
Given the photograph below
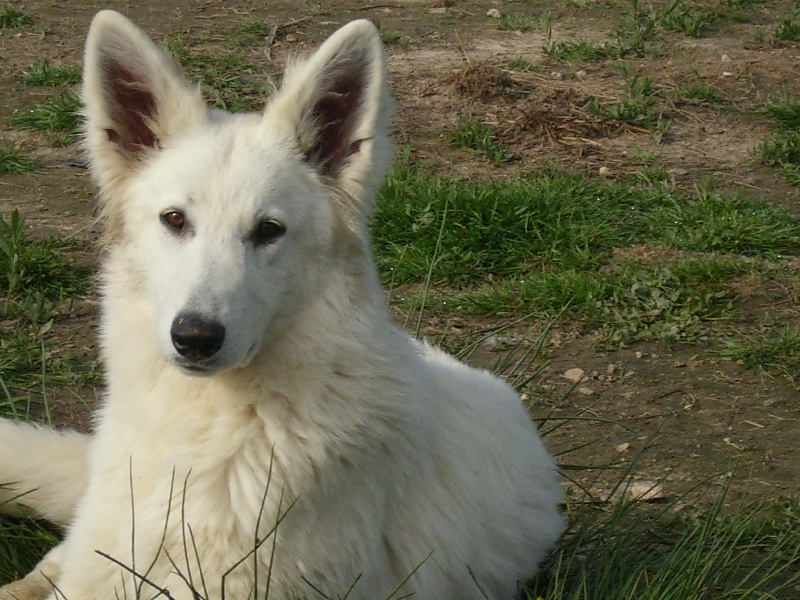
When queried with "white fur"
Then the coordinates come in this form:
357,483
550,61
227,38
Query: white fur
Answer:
373,453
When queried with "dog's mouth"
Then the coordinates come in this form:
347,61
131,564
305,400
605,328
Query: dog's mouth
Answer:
195,369
209,367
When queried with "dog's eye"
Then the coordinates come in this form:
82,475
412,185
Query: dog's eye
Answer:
174,219
267,231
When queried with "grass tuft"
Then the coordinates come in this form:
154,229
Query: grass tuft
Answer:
34,269
782,148
44,74
11,18
520,64
787,30
35,278
581,50
390,37
14,159
480,138
637,108
701,92
693,24
60,117
771,352
515,22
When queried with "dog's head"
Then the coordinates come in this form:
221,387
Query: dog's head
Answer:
229,223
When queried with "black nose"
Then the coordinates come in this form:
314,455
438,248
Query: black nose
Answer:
196,337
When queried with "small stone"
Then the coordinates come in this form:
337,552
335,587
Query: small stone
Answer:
491,341
438,11
556,75
291,38
622,447
585,391
639,355
574,375
646,491
726,58
604,172
493,13
610,369
727,74
581,74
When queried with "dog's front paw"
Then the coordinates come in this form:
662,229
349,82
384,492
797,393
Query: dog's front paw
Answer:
38,584
33,587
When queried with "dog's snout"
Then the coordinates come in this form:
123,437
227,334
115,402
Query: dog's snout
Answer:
196,337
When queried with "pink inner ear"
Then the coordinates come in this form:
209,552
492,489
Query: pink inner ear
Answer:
132,106
336,116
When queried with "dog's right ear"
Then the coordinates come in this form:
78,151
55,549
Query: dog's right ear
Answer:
134,95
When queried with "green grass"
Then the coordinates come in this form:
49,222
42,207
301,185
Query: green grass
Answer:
774,352
35,277
14,159
637,107
515,22
505,228
782,148
626,302
788,30
520,64
639,27
546,243
581,50
253,26
36,266
45,74
785,113
59,117
11,18
390,37
702,92
693,24
23,542
480,138
625,552
34,273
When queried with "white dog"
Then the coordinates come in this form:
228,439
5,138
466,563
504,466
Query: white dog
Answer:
267,430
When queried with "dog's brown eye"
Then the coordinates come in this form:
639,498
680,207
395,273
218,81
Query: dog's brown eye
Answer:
174,219
267,231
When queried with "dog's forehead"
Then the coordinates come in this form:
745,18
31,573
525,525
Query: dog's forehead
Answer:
233,162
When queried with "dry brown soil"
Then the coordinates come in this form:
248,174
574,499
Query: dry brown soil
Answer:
684,414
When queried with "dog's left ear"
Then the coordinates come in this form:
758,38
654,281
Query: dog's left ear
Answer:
338,107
